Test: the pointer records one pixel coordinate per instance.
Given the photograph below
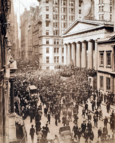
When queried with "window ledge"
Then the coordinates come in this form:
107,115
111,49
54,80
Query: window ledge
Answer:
108,66
101,65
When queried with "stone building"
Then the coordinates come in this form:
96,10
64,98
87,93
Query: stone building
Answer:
24,34
36,35
106,62
80,42
30,34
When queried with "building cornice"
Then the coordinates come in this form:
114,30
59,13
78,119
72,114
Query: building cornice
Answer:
107,72
87,30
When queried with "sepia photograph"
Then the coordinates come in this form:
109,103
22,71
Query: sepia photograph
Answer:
57,71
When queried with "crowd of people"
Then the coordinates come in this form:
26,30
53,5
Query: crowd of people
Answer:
62,98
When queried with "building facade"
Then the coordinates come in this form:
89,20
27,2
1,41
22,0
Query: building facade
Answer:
55,16
80,42
30,34
106,65
24,35
36,35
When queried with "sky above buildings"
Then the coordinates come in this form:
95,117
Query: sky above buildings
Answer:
20,5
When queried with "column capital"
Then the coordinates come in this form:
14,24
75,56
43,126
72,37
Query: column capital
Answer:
91,40
79,42
84,41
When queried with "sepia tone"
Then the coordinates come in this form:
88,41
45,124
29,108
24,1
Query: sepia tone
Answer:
57,71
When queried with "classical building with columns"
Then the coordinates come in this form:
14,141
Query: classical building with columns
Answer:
80,42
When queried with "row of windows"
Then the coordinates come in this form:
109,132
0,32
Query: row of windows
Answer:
108,57
56,59
56,41
56,50
108,83
101,9
101,17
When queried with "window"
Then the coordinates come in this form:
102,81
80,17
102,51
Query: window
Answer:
55,17
63,2
71,3
47,1
99,16
101,58
108,58
47,16
107,83
47,68
71,10
111,2
62,50
110,9
55,9
102,16
56,50
101,81
56,59
47,50
72,18
110,17
63,25
47,24
102,8
63,10
56,2
62,59
63,17
56,32
47,32
47,41
80,11
47,8
55,24
47,59
56,41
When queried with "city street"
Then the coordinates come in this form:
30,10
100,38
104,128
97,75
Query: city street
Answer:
54,130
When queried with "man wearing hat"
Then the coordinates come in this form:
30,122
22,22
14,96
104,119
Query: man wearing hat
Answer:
32,131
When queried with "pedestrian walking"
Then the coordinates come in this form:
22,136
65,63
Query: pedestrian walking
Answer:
99,134
91,136
83,126
32,131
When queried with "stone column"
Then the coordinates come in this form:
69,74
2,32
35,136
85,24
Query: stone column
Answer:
96,55
78,55
1,107
65,54
60,55
69,60
73,53
84,54
90,54
12,94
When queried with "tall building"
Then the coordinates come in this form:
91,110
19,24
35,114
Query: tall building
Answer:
24,34
36,35
55,16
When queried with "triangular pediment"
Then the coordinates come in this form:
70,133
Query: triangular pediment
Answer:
82,25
